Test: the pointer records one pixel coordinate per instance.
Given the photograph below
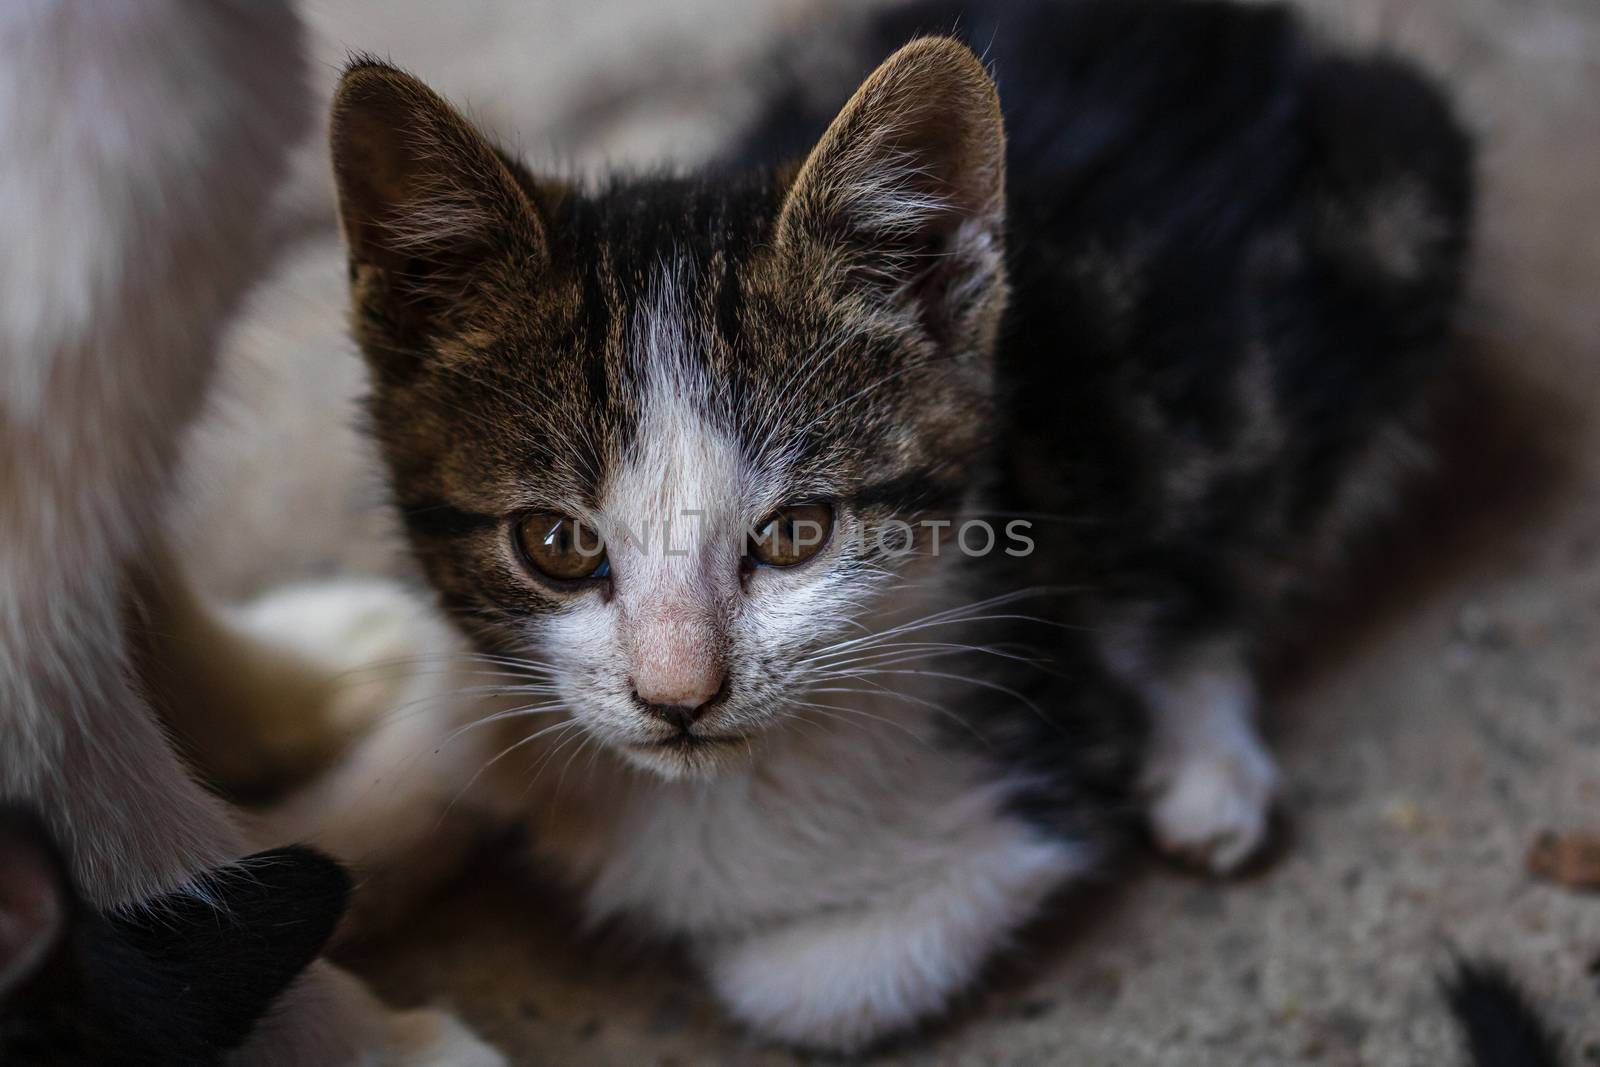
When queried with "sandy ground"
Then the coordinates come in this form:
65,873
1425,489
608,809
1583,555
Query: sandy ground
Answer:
1448,712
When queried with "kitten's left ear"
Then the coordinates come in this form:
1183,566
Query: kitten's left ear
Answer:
906,189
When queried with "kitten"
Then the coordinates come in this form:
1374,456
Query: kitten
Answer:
176,981
864,539
142,143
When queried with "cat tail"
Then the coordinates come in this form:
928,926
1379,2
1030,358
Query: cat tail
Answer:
1501,1025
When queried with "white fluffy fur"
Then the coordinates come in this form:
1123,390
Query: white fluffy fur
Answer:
669,516
1210,780
840,885
112,287
142,140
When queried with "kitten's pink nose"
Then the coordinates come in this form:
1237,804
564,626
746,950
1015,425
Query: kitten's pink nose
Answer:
676,661
678,699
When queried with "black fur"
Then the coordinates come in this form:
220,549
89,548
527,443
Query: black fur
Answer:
1502,1028
173,982
1234,258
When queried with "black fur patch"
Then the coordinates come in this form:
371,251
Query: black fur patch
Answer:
1503,1029
173,982
1234,258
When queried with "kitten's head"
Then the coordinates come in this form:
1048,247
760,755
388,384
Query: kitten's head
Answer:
656,437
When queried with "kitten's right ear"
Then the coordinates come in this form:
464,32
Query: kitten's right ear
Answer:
424,198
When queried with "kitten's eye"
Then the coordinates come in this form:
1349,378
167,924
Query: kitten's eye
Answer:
560,547
791,535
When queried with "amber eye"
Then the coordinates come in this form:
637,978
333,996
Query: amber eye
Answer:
791,535
560,547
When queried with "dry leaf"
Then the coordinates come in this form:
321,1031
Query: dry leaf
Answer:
1570,860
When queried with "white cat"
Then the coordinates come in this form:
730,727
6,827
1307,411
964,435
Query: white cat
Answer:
142,140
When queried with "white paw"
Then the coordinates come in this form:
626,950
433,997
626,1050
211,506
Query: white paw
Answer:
1212,805
819,988
384,805
428,1037
843,980
377,644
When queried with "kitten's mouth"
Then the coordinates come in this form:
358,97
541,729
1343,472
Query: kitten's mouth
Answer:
689,742
688,755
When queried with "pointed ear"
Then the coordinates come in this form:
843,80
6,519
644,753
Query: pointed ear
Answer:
907,187
424,198
210,965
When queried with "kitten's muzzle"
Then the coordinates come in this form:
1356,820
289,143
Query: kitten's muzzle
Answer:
684,714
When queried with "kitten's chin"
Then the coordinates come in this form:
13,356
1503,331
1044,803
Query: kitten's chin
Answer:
697,760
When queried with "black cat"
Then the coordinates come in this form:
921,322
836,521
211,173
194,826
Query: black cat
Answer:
177,981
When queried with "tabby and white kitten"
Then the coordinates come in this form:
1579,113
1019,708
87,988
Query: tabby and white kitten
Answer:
648,435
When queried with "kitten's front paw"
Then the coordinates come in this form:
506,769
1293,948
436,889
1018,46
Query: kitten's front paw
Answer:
847,978
387,805
428,1037
373,647
1212,805
823,988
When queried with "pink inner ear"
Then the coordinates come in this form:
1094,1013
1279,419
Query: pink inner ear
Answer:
32,908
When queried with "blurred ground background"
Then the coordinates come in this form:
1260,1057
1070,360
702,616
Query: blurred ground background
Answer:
1448,713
